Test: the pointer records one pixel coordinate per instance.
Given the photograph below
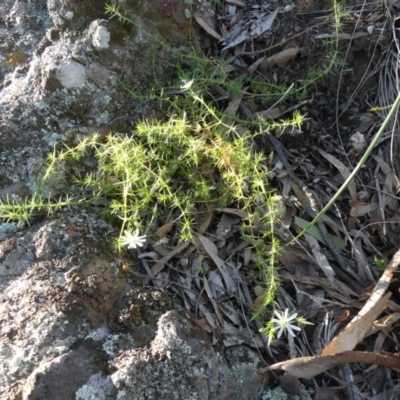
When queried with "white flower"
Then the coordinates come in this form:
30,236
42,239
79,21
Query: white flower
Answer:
283,322
133,240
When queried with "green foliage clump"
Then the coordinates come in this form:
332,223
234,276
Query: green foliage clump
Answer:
185,164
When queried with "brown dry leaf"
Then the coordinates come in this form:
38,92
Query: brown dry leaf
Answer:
320,258
390,175
278,111
234,247
272,113
230,312
211,299
258,302
235,103
358,208
207,27
367,120
207,244
216,284
210,248
344,316
163,230
282,58
202,323
249,28
385,166
246,256
304,4
331,288
236,336
343,170
362,263
239,213
308,367
255,65
225,224
294,254
382,338
314,230
206,222
159,265
357,329
303,198
161,250
197,304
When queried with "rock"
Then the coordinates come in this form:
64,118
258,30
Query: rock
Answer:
72,325
58,282
279,394
181,364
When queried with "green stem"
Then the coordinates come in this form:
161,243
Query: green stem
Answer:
356,170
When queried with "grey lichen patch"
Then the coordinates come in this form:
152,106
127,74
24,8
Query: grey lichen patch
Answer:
98,387
175,366
279,394
31,342
101,38
15,258
71,74
7,229
110,345
245,365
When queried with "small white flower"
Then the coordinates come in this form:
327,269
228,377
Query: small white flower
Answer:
133,240
283,322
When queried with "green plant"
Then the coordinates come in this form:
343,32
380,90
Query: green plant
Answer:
193,160
331,45
187,165
23,211
380,263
